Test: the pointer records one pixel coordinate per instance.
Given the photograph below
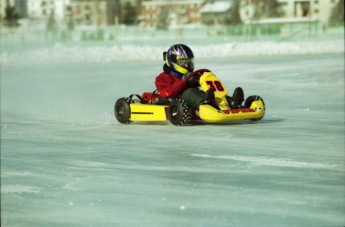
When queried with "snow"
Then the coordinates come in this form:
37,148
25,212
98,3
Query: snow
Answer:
283,20
60,53
65,161
216,7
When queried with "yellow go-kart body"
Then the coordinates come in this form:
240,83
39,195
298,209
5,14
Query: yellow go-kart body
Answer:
176,111
150,112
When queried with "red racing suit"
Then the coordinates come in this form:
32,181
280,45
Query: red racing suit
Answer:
169,85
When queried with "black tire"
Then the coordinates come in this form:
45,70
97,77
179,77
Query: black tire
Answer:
178,112
249,101
122,110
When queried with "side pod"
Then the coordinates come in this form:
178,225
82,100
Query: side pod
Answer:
148,112
255,112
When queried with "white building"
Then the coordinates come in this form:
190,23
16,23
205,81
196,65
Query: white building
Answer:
177,12
295,9
43,8
216,12
315,9
90,12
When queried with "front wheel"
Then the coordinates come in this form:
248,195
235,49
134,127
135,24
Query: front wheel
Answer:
249,102
122,110
178,112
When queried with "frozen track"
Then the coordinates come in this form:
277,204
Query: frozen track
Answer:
66,162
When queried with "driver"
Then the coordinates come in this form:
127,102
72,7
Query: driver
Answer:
179,62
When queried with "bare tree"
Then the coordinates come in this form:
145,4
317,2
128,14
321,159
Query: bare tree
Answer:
338,11
163,19
11,16
267,9
130,14
235,12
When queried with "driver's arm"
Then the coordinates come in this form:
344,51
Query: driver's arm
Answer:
168,86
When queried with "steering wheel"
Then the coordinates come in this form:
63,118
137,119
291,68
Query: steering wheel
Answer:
194,77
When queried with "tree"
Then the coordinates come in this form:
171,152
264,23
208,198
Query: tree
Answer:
130,14
163,19
113,11
11,16
338,11
235,13
266,9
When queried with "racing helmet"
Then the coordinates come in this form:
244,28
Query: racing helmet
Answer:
179,58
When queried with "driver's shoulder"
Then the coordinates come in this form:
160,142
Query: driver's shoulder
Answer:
167,76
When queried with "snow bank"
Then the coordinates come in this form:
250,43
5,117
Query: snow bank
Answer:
61,53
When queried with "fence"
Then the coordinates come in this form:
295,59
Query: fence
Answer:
137,35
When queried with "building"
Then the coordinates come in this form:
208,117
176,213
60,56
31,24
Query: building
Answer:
170,13
92,12
295,9
214,13
316,9
21,8
84,12
42,9
162,13
113,12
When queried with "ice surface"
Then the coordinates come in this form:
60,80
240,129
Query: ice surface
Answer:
65,161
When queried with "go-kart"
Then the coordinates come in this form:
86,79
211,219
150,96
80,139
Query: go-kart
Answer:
150,106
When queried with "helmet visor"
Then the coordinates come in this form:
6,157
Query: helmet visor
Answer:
187,63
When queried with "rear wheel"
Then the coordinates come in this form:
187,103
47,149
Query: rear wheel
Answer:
178,112
122,110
